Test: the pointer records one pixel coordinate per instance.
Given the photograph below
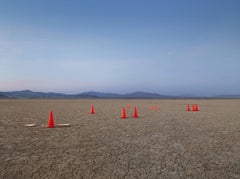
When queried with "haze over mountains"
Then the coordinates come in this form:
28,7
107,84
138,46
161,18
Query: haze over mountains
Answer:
28,94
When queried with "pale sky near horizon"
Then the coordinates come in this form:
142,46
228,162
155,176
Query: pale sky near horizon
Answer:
169,47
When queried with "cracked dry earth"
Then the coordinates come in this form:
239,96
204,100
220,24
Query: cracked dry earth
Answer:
166,142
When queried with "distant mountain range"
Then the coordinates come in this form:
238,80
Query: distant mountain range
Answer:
28,94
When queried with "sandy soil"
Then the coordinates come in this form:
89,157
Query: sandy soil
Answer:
164,142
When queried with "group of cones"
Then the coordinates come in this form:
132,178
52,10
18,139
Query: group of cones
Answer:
134,115
51,124
194,107
123,115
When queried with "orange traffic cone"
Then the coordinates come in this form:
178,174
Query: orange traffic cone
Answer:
193,107
123,113
154,108
196,107
129,106
135,112
188,108
50,121
92,110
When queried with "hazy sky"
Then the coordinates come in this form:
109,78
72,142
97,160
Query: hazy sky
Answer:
163,46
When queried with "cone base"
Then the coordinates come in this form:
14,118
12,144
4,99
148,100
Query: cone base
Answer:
49,126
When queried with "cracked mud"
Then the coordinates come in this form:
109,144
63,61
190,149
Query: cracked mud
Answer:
164,143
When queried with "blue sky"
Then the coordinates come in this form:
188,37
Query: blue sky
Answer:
164,46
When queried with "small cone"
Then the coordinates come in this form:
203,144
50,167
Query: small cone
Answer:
193,107
92,110
50,121
135,112
129,106
153,108
188,108
196,107
123,113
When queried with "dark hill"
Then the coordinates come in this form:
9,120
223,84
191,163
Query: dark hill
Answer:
28,94
3,96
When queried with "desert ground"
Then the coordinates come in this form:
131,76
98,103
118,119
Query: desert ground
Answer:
165,141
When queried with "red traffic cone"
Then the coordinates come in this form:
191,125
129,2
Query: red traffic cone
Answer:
92,110
135,112
196,107
188,108
123,113
50,121
193,107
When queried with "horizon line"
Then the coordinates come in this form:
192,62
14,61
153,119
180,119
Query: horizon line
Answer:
127,93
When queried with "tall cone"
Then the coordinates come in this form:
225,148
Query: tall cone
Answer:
196,107
188,108
193,107
135,112
123,113
92,110
50,121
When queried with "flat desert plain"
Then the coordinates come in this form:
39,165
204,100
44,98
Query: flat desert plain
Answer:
165,141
